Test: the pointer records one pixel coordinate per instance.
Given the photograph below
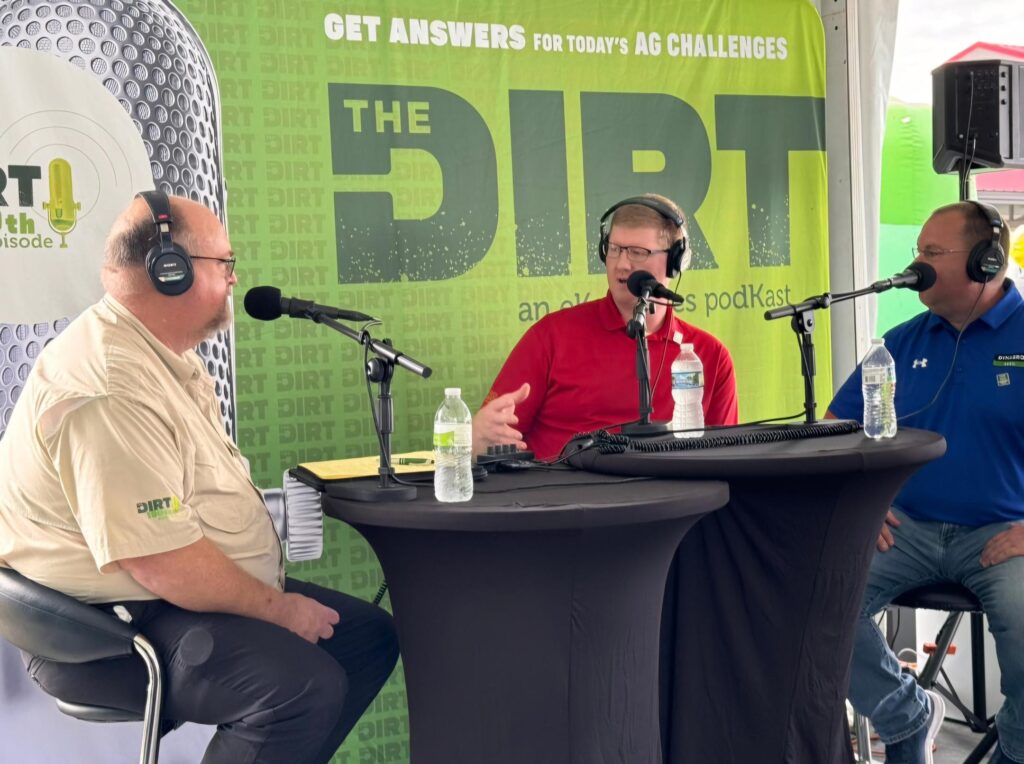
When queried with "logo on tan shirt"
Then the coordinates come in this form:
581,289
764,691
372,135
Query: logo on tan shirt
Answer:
158,509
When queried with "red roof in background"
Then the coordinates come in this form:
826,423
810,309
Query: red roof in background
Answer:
981,51
1002,181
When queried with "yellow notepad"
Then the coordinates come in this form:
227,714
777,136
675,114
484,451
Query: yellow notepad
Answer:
367,466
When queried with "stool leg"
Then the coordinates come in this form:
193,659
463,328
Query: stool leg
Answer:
984,746
978,663
931,668
863,729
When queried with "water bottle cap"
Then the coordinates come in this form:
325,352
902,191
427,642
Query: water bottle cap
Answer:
453,392
878,340
686,346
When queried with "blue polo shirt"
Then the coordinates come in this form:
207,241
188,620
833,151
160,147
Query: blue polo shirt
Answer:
980,412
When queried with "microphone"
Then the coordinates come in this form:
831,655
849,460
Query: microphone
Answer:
917,276
644,285
266,303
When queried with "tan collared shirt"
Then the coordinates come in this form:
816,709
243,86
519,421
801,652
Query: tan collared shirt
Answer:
116,449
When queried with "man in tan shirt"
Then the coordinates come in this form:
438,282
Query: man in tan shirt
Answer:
119,487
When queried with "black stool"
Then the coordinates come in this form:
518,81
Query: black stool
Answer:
956,600
54,626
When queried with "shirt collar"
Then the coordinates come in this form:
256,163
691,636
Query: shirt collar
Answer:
182,366
994,316
611,319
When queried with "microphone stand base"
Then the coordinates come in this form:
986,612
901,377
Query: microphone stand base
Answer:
645,430
377,493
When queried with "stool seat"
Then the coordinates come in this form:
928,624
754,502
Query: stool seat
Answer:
946,595
97,713
53,626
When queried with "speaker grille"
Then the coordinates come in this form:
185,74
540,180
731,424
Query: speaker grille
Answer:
149,57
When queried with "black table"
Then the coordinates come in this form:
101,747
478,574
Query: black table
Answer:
529,616
763,595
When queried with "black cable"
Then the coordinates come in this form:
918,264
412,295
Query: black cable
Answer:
669,315
797,432
518,488
803,359
365,340
952,363
965,166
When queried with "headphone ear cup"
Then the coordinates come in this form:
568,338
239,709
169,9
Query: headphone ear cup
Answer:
674,263
170,270
985,261
602,246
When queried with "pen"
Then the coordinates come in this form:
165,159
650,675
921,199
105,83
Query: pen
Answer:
414,460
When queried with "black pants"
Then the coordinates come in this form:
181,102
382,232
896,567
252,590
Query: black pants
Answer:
274,696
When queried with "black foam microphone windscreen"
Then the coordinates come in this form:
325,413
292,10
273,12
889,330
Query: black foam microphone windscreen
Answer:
263,303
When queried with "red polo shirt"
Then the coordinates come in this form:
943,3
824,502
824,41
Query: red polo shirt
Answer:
581,366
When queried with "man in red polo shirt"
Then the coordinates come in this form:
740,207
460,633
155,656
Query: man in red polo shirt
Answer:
575,370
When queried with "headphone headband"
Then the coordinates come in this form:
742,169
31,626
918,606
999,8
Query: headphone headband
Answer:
991,216
645,201
987,257
168,265
160,210
676,251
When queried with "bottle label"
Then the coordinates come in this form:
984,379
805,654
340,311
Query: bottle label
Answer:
877,376
685,380
459,435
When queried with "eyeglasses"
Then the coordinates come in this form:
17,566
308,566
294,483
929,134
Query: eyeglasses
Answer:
930,252
635,254
228,261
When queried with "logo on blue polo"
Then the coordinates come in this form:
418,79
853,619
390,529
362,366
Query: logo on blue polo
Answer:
1009,359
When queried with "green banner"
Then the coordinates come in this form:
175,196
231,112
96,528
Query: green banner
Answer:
443,168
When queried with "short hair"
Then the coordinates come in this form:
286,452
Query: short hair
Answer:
639,216
977,227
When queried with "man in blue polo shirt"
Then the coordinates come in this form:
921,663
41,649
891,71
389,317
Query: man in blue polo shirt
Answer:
960,372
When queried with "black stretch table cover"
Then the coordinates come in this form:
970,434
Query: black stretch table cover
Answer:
763,595
529,617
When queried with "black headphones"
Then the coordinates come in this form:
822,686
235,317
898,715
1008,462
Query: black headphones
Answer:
168,265
987,257
674,265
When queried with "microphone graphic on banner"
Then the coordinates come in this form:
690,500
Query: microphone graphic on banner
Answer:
644,285
265,303
138,52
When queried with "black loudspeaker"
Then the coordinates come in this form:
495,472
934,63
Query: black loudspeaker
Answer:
987,256
976,115
168,265
676,251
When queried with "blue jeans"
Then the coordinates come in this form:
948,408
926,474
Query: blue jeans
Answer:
926,553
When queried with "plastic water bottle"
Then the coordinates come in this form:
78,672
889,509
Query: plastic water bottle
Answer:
453,449
687,391
878,383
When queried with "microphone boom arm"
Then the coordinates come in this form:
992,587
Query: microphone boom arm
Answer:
382,349
379,370
803,326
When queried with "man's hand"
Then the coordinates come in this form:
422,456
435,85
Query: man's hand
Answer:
494,424
200,577
886,540
305,616
1003,546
